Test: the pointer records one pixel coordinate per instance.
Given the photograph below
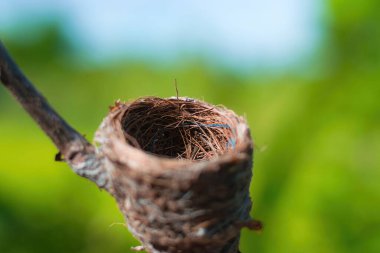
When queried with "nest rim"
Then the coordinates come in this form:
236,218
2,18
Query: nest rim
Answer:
111,139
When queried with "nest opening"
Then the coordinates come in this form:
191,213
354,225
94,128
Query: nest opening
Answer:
178,128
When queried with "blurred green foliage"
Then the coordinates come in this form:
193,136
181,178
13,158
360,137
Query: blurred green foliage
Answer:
317,165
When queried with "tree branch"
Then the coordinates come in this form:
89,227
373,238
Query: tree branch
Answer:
76,150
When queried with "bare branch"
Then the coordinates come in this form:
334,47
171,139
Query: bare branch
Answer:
76,150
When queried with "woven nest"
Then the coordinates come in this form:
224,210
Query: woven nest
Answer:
180,171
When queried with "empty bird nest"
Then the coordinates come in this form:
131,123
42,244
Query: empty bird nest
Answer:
180,170
179,128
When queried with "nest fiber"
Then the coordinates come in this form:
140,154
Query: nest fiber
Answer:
178,128
180,171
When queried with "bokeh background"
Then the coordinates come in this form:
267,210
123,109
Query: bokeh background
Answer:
306,74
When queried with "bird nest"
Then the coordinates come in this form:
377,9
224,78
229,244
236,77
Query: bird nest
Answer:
180,171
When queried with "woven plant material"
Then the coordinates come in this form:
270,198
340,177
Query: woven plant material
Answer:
180,171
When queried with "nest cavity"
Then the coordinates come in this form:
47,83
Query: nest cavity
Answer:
178,128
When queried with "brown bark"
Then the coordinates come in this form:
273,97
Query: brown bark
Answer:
74,148
179,168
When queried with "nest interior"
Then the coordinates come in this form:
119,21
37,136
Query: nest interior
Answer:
179,128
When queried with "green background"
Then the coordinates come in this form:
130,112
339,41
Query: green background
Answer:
316,184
